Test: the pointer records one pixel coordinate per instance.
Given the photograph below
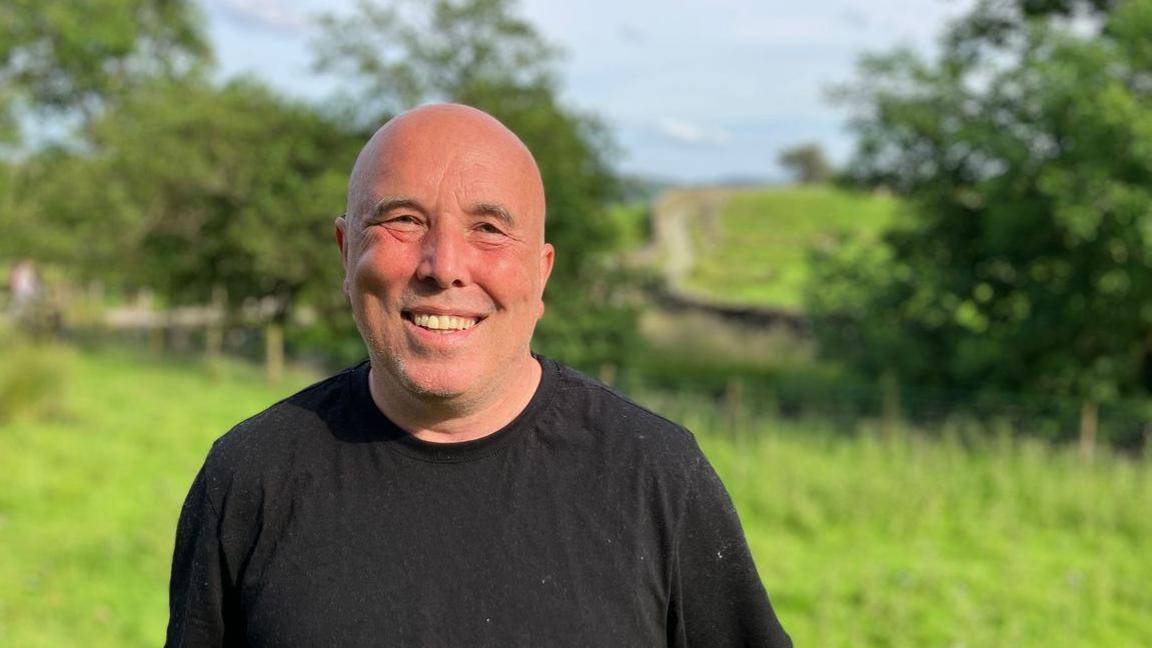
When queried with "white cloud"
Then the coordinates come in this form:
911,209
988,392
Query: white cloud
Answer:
687,133
694,89
269,14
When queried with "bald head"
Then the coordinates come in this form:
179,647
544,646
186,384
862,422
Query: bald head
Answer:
453,140
445,265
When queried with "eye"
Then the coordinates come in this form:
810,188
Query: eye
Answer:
488,228
405,222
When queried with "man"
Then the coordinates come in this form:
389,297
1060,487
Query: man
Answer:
456,490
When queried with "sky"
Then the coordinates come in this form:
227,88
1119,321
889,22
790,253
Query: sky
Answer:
694,91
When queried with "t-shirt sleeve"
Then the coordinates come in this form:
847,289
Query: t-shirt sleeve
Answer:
198,590
717,597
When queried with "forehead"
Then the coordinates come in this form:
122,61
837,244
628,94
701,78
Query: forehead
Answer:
432,166
443,167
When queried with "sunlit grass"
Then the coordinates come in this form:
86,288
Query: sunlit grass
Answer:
861,541
915,541
755,251
91,494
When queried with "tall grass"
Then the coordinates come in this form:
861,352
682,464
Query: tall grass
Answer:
90,498
910,541
33,376
861,541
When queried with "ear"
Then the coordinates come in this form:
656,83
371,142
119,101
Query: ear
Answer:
342,243
547,259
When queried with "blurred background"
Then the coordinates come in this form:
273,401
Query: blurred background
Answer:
891,262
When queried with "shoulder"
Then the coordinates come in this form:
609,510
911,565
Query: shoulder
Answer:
312,408
270,440
623,442
592,408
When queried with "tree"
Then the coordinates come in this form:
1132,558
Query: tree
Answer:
70,62
408,52
65,56
807,163
479,52
200,193
1025,154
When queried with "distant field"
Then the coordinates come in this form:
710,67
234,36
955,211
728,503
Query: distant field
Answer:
920,542
754,248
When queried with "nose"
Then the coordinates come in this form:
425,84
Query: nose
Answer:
444,259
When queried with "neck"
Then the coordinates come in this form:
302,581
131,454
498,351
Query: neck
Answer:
455,419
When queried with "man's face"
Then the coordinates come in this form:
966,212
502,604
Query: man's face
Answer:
444,257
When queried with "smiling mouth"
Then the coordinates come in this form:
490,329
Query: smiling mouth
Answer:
441,323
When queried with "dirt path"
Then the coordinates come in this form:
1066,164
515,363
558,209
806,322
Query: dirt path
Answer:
674,216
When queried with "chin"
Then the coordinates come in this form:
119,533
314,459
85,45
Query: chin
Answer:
432,380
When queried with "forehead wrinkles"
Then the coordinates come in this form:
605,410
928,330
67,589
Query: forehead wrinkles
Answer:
455,180
471,164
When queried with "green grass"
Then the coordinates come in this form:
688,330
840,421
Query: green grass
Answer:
913,542
90,496
922,541
631,221
755,251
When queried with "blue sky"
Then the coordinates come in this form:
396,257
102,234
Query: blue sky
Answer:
694,91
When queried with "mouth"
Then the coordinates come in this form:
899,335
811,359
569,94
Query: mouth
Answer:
443,324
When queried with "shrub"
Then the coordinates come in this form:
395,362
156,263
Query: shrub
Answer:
32,376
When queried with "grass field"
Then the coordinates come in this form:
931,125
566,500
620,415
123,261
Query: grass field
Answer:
930,542
914,542
754,249
90,496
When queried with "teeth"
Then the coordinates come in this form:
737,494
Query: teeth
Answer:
443,322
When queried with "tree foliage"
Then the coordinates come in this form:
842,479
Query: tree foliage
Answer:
68,63
189,189
807,163
481,53
1025,259
74,56
408,52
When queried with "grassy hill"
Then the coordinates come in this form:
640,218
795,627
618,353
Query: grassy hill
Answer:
753,248
920,541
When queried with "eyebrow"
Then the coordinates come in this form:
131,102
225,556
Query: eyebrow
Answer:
389,203
494,210
491,209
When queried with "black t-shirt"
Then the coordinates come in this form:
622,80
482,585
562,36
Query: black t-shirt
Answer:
586,521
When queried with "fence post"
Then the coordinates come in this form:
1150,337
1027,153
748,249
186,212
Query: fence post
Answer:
214,335
156,328
1089,423
608,374
890,405
274,351
94,305
733,401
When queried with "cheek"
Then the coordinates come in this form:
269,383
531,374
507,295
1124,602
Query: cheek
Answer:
380,270
509,279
